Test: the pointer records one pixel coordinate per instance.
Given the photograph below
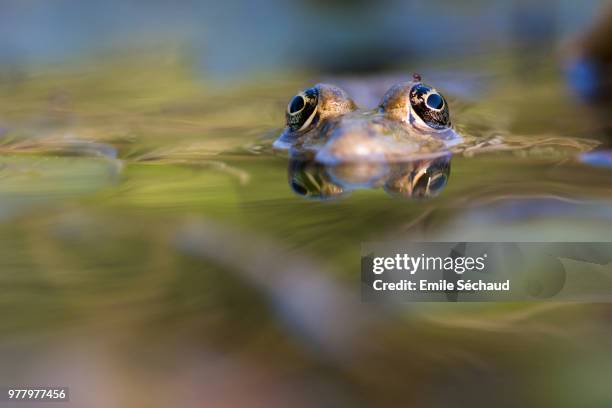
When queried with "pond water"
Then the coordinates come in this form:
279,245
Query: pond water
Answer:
154,245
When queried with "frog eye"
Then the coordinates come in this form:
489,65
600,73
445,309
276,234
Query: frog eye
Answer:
302,109
429,107
429,185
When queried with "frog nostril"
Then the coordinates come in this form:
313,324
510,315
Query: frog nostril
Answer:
296,104
435,101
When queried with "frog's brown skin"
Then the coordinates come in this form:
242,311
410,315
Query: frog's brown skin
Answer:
411,123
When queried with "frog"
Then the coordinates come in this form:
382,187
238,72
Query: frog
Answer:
402,145
411,122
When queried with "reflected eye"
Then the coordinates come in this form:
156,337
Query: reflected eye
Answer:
310,179
430,183
299,188
429,106
302,109
437,182
420,186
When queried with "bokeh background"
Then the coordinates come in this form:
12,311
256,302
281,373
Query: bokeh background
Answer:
234,38
155,251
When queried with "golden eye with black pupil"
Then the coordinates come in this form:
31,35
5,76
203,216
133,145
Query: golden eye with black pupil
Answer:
302,109
430,107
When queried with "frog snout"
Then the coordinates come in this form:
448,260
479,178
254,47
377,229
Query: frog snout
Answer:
351,146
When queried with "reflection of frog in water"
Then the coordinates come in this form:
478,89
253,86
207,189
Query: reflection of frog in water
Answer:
402,145
411,122
413,179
